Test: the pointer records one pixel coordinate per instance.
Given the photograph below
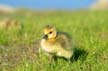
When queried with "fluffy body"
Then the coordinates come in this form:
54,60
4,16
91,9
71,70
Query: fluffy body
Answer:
59,45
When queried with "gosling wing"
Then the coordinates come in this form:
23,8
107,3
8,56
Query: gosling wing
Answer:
64,41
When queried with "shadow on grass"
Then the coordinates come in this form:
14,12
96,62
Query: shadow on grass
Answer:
79,54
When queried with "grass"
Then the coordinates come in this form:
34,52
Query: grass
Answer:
19,49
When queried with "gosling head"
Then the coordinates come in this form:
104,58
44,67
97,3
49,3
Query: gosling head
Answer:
49,32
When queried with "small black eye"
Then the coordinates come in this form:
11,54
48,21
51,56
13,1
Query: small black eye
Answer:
50,32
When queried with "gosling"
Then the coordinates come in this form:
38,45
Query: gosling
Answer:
8,23
56,43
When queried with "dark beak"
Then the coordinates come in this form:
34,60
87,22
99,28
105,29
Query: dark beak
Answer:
45,36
